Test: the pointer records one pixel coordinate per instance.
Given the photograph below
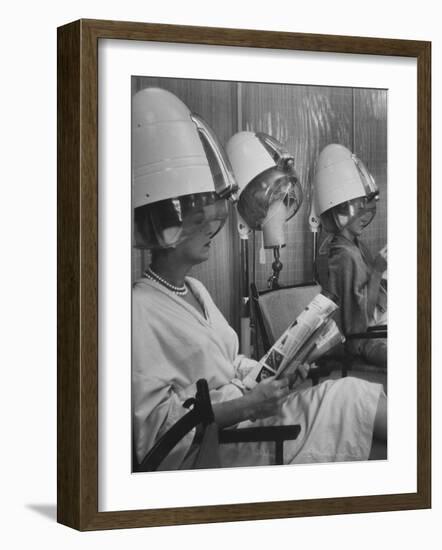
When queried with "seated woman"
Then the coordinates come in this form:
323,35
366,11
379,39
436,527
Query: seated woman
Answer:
346,197
180,336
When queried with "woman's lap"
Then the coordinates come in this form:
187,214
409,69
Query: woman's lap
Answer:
336,419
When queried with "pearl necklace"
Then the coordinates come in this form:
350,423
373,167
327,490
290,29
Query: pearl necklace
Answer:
179,290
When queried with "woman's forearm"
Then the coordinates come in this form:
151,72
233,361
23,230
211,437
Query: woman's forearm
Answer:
228,413
264,400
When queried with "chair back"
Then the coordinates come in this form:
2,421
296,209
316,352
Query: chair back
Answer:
276,309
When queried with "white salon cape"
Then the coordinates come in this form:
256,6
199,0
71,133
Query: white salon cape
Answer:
174,345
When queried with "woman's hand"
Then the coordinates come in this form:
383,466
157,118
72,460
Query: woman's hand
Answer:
296,373
266,398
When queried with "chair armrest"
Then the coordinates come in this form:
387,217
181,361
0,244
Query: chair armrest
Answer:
202,415
259,433
276,434
372,332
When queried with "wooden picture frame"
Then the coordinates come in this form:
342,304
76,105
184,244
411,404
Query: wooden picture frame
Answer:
77,460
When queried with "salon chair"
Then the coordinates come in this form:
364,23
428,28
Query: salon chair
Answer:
209,436
276,309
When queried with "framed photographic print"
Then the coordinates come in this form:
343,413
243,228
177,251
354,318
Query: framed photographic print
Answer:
225,201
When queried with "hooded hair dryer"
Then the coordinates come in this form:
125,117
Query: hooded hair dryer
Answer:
172,179
269,189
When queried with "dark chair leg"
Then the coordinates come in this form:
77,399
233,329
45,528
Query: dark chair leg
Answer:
279,452
378,450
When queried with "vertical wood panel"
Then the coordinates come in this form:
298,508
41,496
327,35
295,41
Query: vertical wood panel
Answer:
215,101
68,276
370,144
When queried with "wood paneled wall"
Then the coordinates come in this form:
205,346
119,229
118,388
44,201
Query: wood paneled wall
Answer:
305,119
370,144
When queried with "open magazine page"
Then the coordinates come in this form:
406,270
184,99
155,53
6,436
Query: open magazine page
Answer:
305,340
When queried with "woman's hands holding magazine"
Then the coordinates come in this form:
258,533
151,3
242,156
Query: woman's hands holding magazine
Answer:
266,398
297,373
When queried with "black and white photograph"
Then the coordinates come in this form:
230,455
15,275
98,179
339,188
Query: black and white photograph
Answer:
219,250
259,239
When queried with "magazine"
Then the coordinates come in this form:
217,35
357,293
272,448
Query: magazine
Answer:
312,334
